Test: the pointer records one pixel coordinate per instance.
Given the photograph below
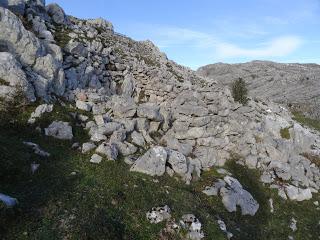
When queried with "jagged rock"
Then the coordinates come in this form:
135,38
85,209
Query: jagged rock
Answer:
85,106
124,108
233,195
128,86
223,228
39,111
215,189
101,23
45,63
177,162
193,226
86,147
37,150
138,139
59,130
111,127
149,111
13,75
109,150
159,214
298,194
95,158
125,148
98,137
76,48
153,162
57,14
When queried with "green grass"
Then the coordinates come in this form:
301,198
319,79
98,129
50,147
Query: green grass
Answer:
284,132
3,82
106,201
305,121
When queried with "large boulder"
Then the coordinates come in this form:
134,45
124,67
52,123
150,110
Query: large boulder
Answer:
153,162
234,195
57,14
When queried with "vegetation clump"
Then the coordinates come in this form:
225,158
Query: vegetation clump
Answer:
12,106
239,91
305,121
285,134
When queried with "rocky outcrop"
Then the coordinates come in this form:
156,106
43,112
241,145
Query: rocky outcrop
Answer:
161,117
294,84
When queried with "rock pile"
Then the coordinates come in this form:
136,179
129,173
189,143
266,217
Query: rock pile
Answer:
147,107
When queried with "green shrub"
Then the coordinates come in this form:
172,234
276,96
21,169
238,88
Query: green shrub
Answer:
12,106
284,132
240,91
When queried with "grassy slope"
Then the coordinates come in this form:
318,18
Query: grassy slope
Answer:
107,201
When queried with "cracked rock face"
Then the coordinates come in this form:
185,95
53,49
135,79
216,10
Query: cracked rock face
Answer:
233,195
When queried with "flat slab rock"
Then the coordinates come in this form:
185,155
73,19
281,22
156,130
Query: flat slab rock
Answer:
233,195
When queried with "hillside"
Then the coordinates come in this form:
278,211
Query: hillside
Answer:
104,137
295,84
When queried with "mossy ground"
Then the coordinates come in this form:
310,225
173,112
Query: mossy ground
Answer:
106,201
305,121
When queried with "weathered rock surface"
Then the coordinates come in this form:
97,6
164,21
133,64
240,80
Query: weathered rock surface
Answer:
159,214
153,162
59,130
233,195
284,83
140,100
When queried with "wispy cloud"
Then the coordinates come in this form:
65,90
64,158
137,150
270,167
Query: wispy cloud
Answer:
169,37
278,47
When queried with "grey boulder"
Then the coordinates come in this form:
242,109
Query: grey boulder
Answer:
59,130
152,163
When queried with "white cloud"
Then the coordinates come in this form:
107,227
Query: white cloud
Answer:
172,37
279,47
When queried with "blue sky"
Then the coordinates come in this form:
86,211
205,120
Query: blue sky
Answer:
199,32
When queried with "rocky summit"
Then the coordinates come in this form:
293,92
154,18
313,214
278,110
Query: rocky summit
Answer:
112,128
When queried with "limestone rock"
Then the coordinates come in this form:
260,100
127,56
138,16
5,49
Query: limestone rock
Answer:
153,162
234,195
59,130
96,159
109,150
159,214
39,111
11,72
149,111
86,147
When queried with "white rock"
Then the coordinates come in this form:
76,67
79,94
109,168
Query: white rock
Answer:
95,158
60,130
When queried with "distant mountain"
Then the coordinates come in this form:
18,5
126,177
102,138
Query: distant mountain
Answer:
294,84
